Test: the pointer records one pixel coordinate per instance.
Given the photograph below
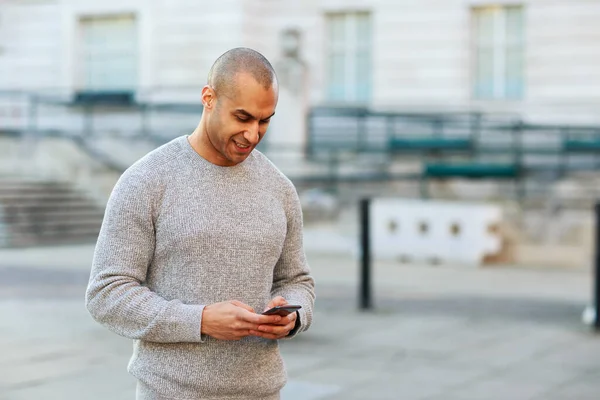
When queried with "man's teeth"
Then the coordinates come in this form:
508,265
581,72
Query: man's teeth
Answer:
243,146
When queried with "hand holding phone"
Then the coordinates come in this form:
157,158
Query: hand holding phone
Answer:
282,328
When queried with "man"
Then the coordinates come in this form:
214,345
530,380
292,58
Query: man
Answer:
201,236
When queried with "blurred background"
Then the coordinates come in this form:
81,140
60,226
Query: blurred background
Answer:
472,125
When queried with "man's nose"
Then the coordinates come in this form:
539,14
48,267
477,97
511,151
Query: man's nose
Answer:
252,135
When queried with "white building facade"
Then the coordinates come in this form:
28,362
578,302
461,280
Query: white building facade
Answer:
539,58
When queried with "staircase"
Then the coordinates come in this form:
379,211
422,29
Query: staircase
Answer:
41,213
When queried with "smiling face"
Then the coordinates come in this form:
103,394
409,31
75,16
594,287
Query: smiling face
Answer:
236,120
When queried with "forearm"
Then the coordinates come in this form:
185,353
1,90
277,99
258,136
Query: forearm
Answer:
292,279
295,284
129,309
298,291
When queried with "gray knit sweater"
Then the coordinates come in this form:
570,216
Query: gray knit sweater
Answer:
179,233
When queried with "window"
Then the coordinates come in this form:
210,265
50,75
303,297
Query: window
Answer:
108,53
498,52
349,57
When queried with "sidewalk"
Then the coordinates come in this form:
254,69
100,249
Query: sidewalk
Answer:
341,268
436,333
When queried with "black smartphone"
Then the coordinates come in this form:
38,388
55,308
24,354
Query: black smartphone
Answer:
282,310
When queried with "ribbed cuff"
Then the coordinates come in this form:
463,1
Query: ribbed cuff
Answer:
187,318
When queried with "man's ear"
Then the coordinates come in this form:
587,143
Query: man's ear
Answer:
208,97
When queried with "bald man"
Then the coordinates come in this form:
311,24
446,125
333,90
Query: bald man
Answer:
199,238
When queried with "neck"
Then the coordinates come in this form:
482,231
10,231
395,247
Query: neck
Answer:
201,144
197,137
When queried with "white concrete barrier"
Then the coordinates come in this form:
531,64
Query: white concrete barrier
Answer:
434,231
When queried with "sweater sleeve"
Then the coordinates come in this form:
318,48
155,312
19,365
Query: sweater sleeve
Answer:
292,279
116,296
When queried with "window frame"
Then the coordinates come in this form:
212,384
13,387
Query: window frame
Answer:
350,48
499,47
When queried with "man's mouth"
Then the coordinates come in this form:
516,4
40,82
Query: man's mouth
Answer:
242,146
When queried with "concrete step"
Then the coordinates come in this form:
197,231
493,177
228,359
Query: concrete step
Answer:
6,189
39,205
34,241
24,182
41,195
46,212
43,224
66,230
92,212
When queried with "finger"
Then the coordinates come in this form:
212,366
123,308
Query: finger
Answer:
242,305
277,301
292,317
273,336
276,329
289,319
259,319
265,335
242,327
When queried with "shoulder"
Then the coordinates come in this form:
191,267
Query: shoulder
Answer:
272,174
278,182
156,166
146,180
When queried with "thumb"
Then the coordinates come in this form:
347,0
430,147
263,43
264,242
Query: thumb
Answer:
277,301
242,305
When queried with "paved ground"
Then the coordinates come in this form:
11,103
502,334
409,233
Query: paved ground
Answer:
436,333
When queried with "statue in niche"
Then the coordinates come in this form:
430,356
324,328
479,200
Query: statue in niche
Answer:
291,69
292,107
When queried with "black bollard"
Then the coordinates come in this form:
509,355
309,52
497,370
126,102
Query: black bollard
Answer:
597,270
365,265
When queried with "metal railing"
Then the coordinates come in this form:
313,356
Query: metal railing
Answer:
345,145
468,137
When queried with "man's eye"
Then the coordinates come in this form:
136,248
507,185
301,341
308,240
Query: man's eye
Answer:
265,121
242,119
